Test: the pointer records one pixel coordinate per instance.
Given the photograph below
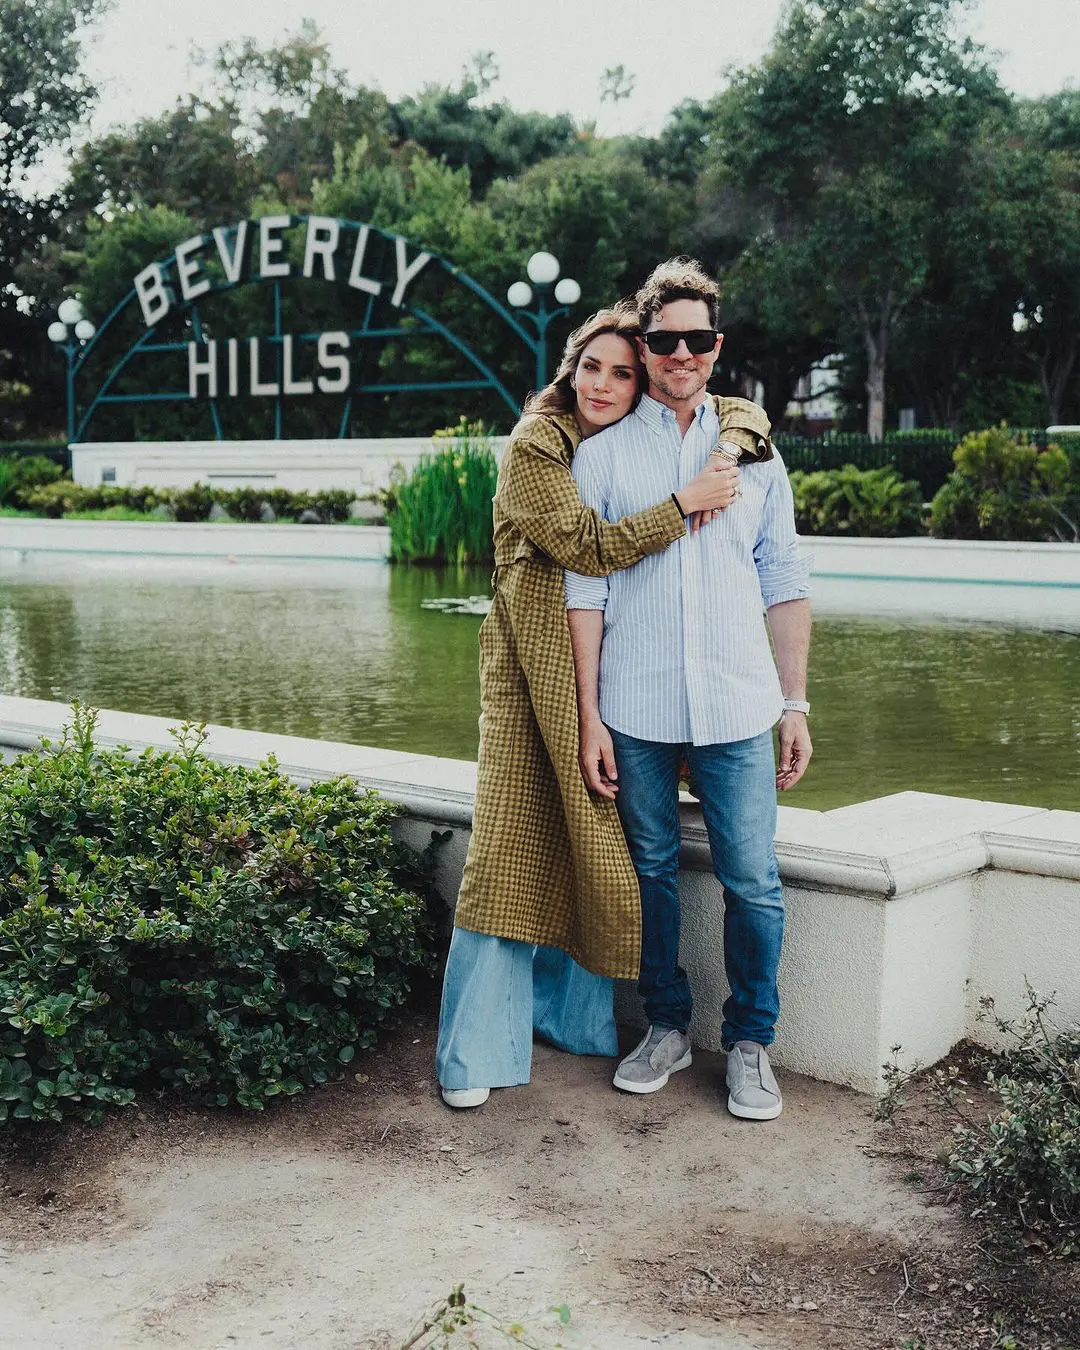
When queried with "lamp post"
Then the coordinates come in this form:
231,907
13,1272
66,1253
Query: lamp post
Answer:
70,330
543,271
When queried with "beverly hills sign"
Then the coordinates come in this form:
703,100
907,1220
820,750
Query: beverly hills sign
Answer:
332,251
184,336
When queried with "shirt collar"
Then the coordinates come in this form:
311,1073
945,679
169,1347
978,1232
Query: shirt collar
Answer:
655,414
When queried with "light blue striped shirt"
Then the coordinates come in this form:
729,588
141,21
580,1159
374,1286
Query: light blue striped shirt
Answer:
686,655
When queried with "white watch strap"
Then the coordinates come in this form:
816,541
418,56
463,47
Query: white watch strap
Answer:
796,705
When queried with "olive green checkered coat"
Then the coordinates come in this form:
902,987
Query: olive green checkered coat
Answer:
547,862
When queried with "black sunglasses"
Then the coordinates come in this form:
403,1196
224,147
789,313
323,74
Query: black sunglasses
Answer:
663,341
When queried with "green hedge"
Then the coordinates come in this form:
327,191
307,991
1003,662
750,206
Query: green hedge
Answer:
63,498
924,457
1006,486
169,922
862,503
56,451
20,474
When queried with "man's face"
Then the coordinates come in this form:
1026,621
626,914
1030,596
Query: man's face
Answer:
680,377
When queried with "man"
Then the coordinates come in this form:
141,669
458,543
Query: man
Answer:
685,669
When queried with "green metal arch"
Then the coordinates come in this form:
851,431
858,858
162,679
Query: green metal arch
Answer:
146,342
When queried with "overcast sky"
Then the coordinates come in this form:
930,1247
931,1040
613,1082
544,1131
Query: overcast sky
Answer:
551,53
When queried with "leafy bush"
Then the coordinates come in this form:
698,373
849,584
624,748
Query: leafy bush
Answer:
866,503
61,497
441,513
333,504
1006,487
190,503
1024,1165
23,473
169,921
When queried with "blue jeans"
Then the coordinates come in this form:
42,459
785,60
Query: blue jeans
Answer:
736,785
498,993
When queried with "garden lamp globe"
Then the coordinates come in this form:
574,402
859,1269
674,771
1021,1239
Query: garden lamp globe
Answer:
57,331
567,292
542,268
70,311
519,294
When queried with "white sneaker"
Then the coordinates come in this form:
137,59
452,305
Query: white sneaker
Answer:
752,1090
649,1065
459,1098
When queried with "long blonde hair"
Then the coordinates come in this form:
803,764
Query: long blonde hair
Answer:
559,396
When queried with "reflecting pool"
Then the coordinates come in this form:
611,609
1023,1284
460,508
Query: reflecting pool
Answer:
347,652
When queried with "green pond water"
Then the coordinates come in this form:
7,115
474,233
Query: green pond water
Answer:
347,653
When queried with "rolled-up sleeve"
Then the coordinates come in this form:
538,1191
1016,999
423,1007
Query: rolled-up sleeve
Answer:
587,592
783,567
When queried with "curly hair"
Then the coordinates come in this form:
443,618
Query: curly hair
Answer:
676,279
559,395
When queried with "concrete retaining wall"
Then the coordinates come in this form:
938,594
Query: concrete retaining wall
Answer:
364,465
902,911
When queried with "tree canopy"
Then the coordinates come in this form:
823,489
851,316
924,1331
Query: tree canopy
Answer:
868,192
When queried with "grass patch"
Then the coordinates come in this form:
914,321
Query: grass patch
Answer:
112,513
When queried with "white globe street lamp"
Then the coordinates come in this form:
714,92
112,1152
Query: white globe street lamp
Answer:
543,271
70,330
70,311
568,292
542,268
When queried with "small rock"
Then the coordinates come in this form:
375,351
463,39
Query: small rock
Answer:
267,514
309,517
218,512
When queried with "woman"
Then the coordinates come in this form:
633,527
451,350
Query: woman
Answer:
548,910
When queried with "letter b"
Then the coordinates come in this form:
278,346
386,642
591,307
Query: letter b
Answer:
154,296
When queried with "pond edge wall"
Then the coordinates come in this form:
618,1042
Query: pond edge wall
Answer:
902,912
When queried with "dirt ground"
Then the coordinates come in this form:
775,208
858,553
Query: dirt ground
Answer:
334,1221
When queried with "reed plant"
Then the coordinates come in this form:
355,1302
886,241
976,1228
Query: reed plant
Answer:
441,512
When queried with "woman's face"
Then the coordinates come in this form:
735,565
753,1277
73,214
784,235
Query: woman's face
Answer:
605,381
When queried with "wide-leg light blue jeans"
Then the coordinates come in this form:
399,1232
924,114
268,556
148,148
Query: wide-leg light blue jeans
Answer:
736,783
497,993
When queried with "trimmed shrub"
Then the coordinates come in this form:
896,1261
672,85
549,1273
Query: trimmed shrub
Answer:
1006,487
441,513
333,504
167,921
20,474
867,503
190,503
63,496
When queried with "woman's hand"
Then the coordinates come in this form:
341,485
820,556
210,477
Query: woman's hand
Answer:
714,489
596,755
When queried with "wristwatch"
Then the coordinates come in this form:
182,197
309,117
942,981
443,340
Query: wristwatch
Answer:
796,705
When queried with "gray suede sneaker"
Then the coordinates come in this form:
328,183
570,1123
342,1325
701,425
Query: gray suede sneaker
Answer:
752,1090
663,1051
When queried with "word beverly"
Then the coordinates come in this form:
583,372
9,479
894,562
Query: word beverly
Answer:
323,236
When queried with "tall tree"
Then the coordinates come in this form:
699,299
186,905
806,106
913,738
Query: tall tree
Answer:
44,94
843,144
1050,299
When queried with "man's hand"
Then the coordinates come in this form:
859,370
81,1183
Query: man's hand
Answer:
714,489
596,756
795,750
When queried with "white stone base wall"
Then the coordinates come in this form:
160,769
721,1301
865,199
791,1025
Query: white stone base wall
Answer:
902,912
366,466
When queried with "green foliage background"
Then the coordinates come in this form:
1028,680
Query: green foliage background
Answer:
868,191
